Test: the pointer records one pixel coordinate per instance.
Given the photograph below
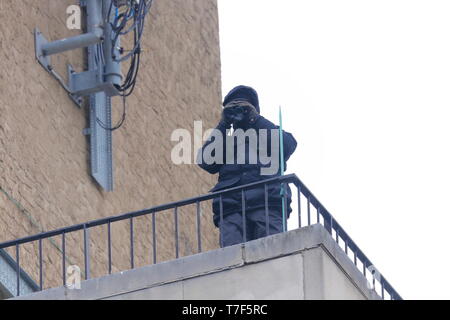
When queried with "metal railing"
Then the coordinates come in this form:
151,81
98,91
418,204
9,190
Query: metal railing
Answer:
303,196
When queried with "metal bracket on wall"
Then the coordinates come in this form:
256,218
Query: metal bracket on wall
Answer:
44,60
39,42
79,84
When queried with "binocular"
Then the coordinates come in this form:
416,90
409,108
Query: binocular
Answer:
230,111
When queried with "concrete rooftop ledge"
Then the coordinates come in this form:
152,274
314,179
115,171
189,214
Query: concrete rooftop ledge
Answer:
301,264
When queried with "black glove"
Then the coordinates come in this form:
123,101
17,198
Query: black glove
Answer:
240,113
225,120
252,114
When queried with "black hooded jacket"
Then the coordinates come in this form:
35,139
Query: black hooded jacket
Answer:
234,174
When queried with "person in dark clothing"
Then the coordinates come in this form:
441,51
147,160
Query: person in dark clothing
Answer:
241,161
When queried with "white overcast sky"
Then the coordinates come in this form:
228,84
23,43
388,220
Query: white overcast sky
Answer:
365,89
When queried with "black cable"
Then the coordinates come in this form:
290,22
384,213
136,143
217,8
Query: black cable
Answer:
120,123
134,13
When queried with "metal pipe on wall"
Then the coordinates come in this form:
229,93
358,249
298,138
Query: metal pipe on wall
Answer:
95,34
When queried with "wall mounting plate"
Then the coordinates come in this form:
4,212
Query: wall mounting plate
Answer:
39,41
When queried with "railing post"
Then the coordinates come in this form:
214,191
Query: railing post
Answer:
154,236
364,268
131,243
175,212
221,220
244,222
373,281
109,248
86,252
309,210
266,206
328,224
318,217
299,194
331,226
40,265
199,230
285,204
18,269
63,240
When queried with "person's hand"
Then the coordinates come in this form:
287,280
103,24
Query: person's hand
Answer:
225,120
252,114
240,113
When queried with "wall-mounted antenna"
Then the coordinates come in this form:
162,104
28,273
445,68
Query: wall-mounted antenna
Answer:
103,79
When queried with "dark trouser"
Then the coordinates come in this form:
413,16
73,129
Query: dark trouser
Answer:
231,229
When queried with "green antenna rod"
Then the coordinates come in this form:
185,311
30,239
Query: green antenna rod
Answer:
282,191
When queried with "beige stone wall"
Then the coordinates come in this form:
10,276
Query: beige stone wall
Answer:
44,158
